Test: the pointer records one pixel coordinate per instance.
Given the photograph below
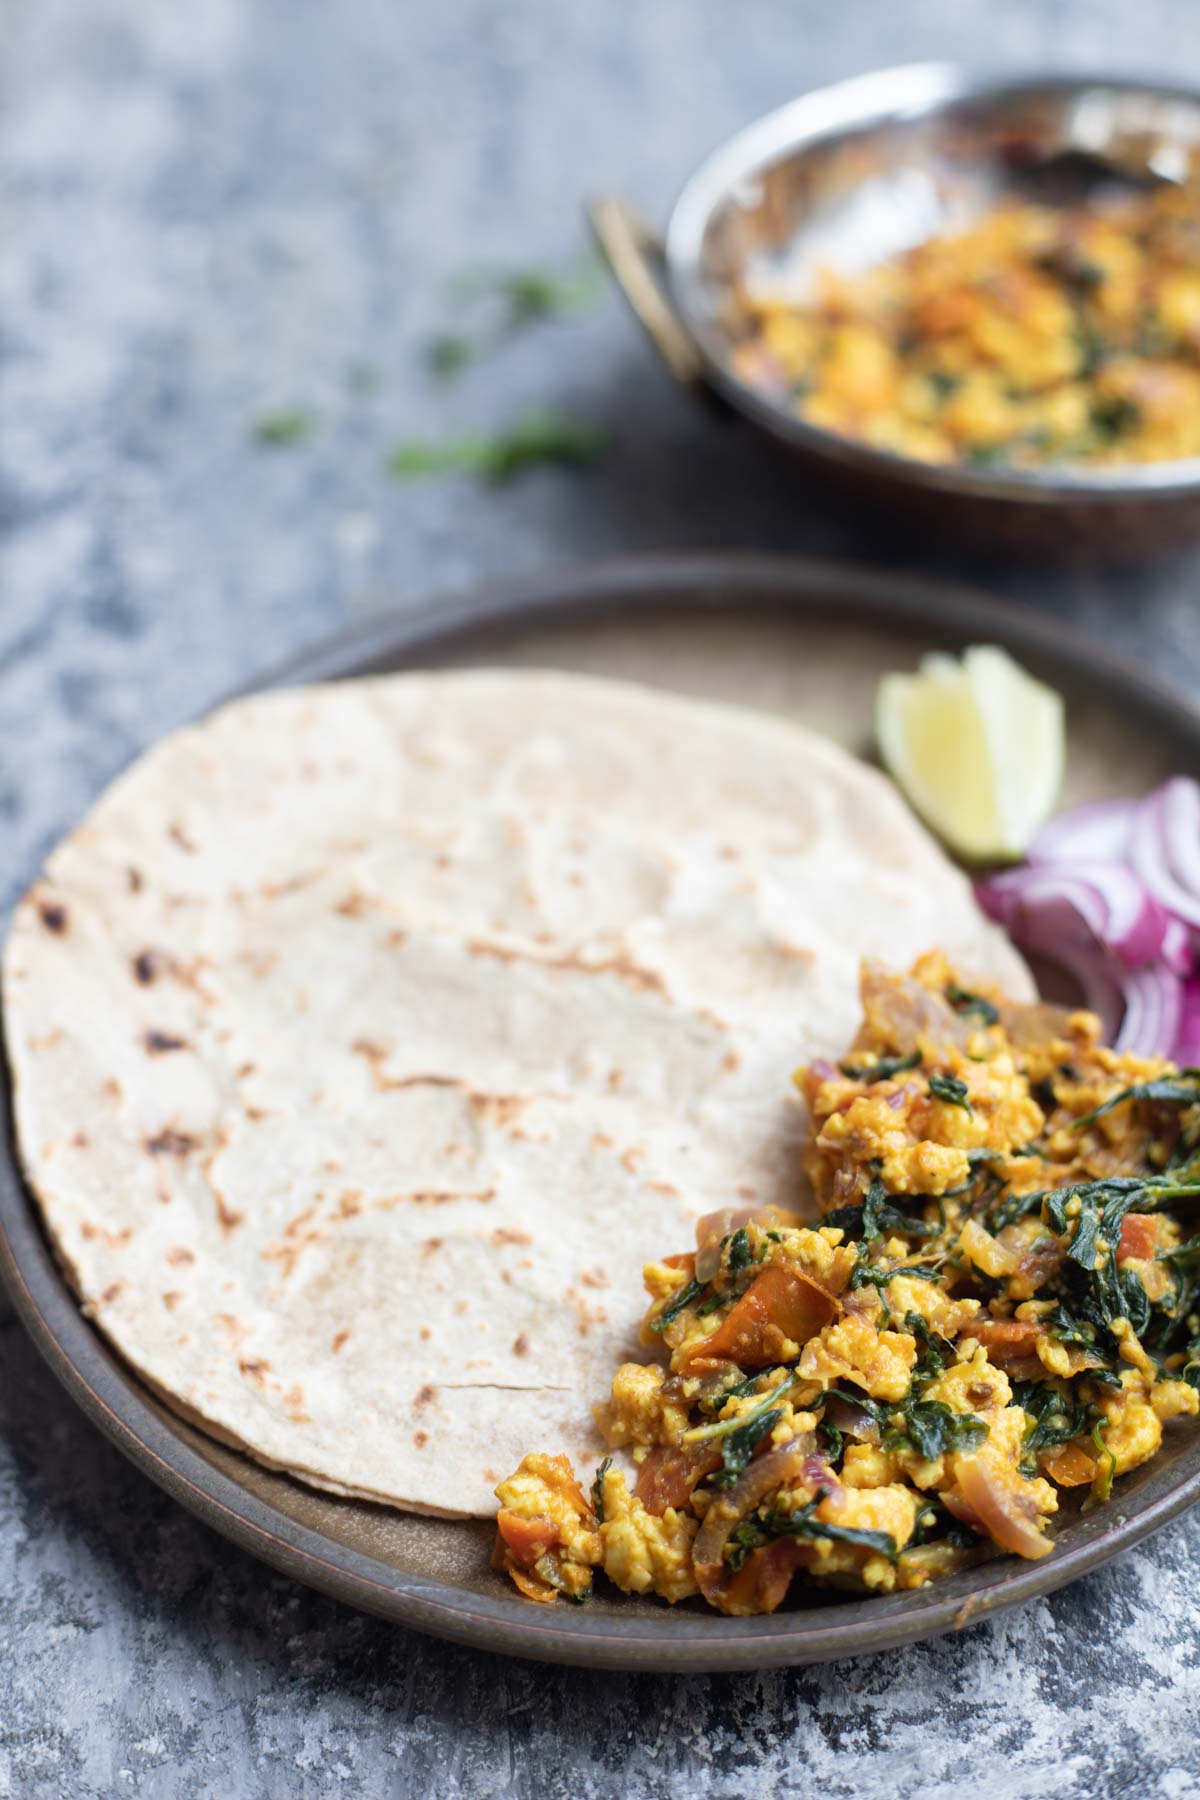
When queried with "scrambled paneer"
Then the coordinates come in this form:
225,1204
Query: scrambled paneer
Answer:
994,1302
1037,335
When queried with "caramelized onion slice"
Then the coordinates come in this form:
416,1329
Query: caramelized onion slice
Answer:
995,1502
766,1475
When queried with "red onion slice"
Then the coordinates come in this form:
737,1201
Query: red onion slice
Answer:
1187,1041
1153,1011
1165,847
1101,832
1087,903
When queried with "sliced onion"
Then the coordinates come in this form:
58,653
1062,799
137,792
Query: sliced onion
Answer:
1153,1009
1101,832
1165,847
1112,893
1087,902
1187,1039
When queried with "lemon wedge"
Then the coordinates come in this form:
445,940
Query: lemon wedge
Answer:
977,746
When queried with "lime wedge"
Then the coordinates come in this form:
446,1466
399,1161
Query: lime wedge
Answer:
977,746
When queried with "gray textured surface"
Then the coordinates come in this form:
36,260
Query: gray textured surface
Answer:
211,210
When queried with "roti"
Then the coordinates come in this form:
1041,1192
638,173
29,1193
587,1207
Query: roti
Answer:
366,1039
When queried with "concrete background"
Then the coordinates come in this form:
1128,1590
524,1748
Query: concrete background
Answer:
214,211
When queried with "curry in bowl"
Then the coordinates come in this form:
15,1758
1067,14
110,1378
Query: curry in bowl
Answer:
1038,335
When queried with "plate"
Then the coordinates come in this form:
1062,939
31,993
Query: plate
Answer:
789,636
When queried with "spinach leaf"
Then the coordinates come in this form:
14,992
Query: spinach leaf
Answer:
963,1001
803,1523
1164,1091
953,1090
884,1069
876,1215
1104,1487
598,1489
741,1444
932,1429
867,1274
934,1351
690,1291
1051,1418
741,1253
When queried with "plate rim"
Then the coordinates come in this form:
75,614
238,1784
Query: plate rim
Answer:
621,589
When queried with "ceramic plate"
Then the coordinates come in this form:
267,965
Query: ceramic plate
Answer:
794,637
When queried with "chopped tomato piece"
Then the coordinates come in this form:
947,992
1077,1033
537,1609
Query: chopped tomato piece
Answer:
1069,1465
780,1304
668,1475
1005,1340
527,1538
764,1578
1139,1237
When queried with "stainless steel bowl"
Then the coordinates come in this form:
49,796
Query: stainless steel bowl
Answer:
860,171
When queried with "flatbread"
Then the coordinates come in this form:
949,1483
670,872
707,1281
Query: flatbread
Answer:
367,1039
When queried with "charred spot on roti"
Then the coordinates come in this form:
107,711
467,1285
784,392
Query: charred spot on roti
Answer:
601,1141
441,1196
339,1340
112,1292
431,1246
179,837
255,1368
629,1159
170,1142
180,1256
80,1140
504,1235
293,1403
103,1234
424,1396
353,906
497,1109
731,1062
520,1346
420,1439
171,1300
161,1043
350,1203
594,1278
425,1334
148,965
53,915
397,939
664,1187
135,881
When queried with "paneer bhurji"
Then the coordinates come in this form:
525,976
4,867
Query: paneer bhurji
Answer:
995,1301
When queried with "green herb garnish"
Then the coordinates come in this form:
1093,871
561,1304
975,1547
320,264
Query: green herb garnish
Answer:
540,438
279,429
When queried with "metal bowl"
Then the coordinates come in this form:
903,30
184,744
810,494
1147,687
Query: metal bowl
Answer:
860,171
